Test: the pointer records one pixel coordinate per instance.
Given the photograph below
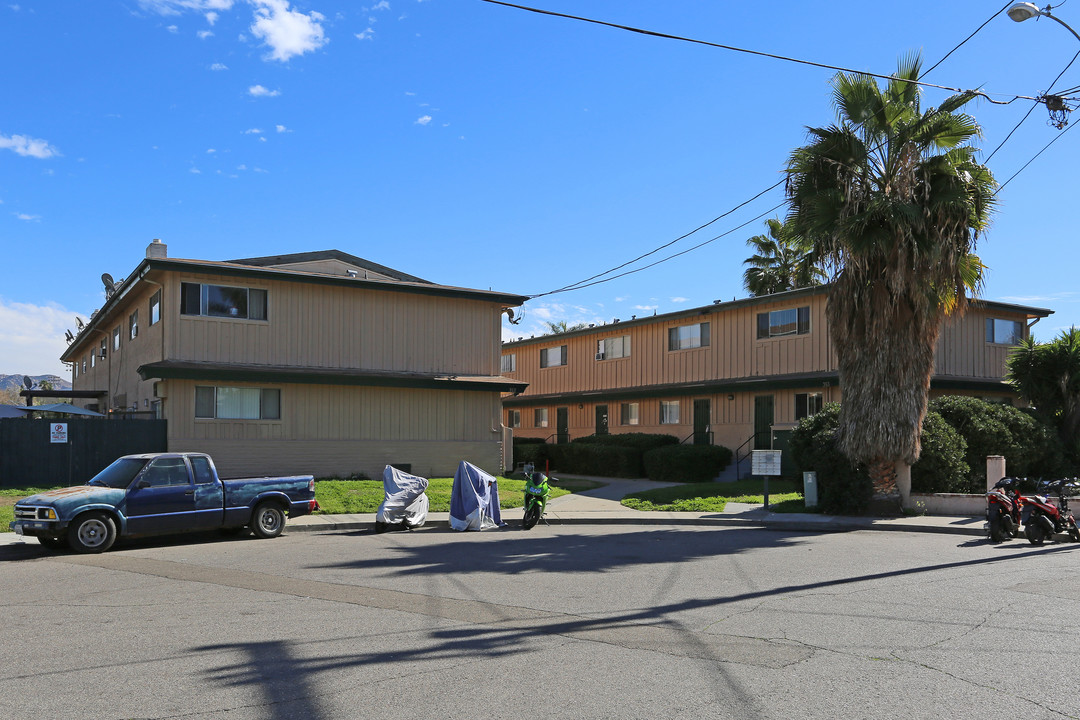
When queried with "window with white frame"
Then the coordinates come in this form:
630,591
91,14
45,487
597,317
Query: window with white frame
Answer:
807,404
236,403
540,417
553,357
1004,332
611,348
628,414
669,412
116,338
93,358
688,336
508,363
155,307
223,301
513,418
133,325
779,323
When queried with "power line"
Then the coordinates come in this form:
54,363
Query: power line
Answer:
962,42
1056,138
759,53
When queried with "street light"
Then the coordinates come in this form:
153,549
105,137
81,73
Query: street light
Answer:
1022,11
1055,104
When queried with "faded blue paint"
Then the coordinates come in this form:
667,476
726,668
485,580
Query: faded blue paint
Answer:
161,499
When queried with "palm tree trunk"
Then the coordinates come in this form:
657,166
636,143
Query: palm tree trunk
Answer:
886,499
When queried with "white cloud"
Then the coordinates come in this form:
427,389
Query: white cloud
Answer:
173,29
217,67
381,5
211,18
646,307
253,131
259,170
410,94
260,91
32,337
620,299
28,218
423,120
262,139
203,34
175,7
195,171
241,167
368,34
210,151
287,32
679,300
282,128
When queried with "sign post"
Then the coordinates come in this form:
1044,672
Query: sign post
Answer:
766,463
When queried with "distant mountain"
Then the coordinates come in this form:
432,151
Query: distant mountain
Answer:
15,382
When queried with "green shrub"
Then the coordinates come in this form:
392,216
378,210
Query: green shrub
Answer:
1030,447
843,488
591,459
686,463
641,441
941,466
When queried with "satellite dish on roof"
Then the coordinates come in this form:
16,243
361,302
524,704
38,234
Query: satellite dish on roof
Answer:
27,382
68,336
110,286
79,322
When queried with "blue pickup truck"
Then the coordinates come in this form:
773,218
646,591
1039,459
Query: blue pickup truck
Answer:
158,494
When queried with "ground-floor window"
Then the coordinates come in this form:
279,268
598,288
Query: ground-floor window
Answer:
806,404
628,414
233,403
540,417
669,412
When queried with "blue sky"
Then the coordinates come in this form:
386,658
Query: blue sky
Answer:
472,144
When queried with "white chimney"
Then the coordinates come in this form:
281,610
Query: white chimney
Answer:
157,250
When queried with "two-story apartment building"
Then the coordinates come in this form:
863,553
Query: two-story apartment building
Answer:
317,362
738,374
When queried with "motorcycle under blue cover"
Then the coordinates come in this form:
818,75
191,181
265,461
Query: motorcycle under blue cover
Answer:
474,499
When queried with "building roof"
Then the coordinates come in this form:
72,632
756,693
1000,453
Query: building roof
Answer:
263,268
719,306
236,372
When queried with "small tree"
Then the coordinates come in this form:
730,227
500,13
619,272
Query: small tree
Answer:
779,263
560,327
1047,375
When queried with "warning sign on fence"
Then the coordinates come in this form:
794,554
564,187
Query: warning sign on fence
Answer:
58,433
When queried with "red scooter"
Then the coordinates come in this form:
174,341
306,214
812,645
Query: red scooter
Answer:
1043,519
1003,504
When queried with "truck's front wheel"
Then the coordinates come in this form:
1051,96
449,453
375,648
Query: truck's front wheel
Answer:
92,532
268,520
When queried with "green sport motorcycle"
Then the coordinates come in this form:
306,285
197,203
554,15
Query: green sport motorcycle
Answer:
536,497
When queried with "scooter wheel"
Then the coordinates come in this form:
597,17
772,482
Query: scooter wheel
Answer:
1035,534
998,531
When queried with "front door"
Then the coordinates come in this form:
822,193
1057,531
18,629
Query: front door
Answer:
601,420
763,422
702,412
562,425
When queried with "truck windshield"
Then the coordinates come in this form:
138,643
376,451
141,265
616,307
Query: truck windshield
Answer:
119,474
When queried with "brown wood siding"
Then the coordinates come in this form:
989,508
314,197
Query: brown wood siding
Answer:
962,350
733,352
329,326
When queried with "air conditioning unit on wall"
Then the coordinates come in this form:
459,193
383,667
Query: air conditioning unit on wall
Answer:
599,356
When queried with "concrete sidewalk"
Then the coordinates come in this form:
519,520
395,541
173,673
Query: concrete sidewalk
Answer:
601,506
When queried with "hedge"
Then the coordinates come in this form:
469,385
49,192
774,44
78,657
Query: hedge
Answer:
686,463
641,441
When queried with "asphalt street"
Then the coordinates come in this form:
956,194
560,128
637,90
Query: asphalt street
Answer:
572,621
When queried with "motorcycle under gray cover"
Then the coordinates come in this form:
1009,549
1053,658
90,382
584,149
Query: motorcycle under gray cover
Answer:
405,499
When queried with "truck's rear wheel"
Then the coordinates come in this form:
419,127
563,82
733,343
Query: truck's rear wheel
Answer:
268,520
92,532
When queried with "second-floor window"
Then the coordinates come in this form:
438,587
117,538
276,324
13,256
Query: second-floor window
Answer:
616,347
508,363
1003,332
553,357
778,323
222,301
513,418
688,336
116,339
540,417
133,325
155,307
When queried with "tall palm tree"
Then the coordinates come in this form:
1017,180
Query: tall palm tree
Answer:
779,263
893,200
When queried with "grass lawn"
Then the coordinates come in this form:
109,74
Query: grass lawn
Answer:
713,497
8,498
338,497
